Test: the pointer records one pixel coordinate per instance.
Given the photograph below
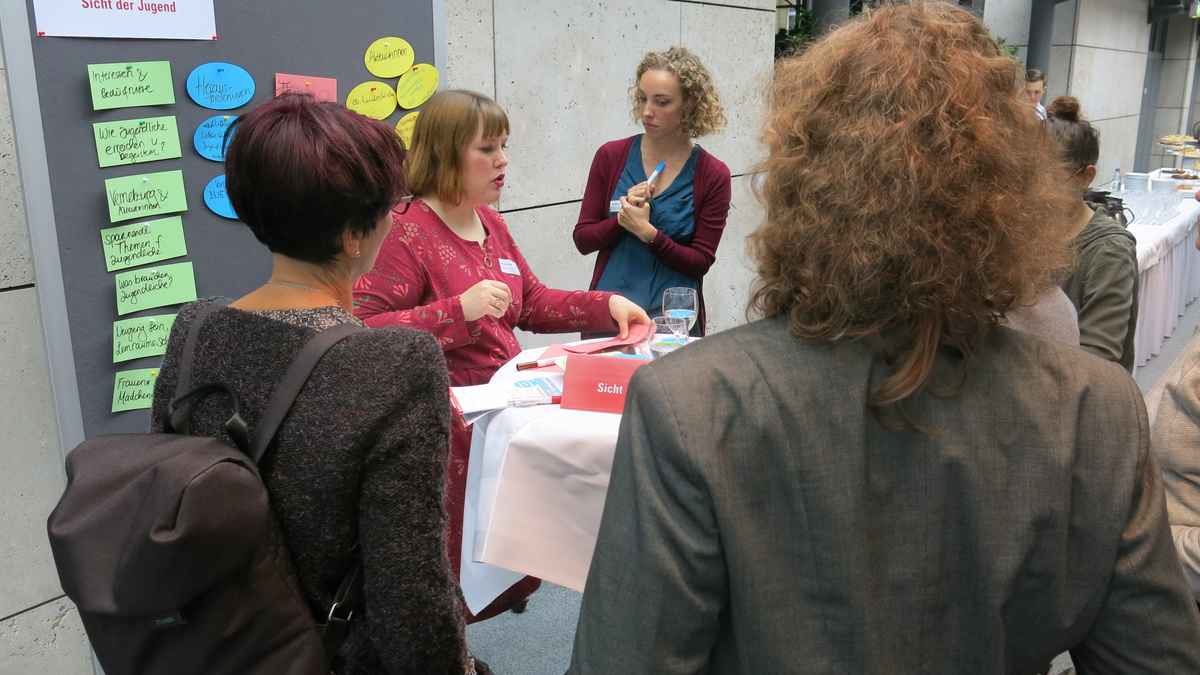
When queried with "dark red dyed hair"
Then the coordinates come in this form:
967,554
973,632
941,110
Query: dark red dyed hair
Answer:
300,171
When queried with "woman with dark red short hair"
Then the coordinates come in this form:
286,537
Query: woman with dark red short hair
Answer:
358,469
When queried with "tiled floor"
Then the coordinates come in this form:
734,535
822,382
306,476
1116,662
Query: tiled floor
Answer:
538,642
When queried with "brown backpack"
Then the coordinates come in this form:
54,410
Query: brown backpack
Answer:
168,545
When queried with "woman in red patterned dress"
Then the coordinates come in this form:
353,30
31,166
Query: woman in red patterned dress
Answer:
449,266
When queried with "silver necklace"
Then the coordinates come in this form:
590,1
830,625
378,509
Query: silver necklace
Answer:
308,288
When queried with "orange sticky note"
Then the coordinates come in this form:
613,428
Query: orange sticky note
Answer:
324,88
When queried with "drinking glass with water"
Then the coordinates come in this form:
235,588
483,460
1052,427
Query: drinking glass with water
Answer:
670,333
681,303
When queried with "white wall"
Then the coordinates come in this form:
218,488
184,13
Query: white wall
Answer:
562,72
1009,20
1175,86
1107,72
40,630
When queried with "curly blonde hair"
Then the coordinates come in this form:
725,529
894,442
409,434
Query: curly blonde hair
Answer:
703,113
909,193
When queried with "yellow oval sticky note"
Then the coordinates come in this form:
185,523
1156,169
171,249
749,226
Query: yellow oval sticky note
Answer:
405,128
373,99
416,86
388,57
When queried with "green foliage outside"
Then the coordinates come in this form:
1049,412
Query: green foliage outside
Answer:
1012,51
792,42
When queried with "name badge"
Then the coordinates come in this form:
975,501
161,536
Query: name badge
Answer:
614,206
509,267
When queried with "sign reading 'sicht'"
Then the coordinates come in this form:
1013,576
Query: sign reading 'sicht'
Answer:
175,20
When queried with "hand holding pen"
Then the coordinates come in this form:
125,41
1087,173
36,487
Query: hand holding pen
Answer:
634,215
642,192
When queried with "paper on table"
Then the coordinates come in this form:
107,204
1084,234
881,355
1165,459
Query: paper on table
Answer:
135,83
141,336
143,243
138,140
476,401
134,389
155,287
145,194
637,333
323,88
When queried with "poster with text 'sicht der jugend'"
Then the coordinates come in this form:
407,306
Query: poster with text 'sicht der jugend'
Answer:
175,20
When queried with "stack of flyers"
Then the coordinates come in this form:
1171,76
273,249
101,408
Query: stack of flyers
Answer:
476,401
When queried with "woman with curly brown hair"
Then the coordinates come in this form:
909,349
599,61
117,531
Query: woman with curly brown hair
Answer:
652,237
875,477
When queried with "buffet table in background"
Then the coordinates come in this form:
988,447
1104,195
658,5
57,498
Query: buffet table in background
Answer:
1168,263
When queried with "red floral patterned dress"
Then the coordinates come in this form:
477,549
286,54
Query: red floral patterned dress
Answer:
422,269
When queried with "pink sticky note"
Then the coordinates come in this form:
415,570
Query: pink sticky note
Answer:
324,88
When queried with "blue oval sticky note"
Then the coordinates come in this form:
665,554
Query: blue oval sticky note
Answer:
209,138
216,199
220,86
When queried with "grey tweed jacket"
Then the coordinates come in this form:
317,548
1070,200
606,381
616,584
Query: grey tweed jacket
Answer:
760,521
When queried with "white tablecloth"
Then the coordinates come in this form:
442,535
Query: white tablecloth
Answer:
1169,265
536,483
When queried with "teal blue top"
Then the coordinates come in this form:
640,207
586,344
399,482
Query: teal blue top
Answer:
632,270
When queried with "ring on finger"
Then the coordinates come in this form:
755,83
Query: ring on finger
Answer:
497,302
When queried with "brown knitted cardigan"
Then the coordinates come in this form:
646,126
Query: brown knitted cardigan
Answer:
361,459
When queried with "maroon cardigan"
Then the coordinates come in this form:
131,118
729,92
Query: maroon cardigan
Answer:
597,231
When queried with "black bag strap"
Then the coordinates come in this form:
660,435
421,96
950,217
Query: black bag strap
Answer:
177,420
178,413
184,385
349,599
293,381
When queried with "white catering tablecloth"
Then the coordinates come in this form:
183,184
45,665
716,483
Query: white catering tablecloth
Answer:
1170,272
536,483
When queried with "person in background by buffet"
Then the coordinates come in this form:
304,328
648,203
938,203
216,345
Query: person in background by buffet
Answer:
1035,89
654,237
360,463
874,477
450,267
1104,284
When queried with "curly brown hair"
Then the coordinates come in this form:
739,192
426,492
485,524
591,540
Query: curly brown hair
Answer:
703,113
908,190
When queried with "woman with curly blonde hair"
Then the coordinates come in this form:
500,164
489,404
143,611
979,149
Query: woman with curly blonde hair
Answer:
649,245
759,519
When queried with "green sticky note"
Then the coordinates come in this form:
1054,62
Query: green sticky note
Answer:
152,287
143,243
145,194
141,140
124,85
141,336
134,389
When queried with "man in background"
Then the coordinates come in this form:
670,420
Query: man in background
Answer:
1035,89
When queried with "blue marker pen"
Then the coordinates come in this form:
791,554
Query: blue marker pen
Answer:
657,170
